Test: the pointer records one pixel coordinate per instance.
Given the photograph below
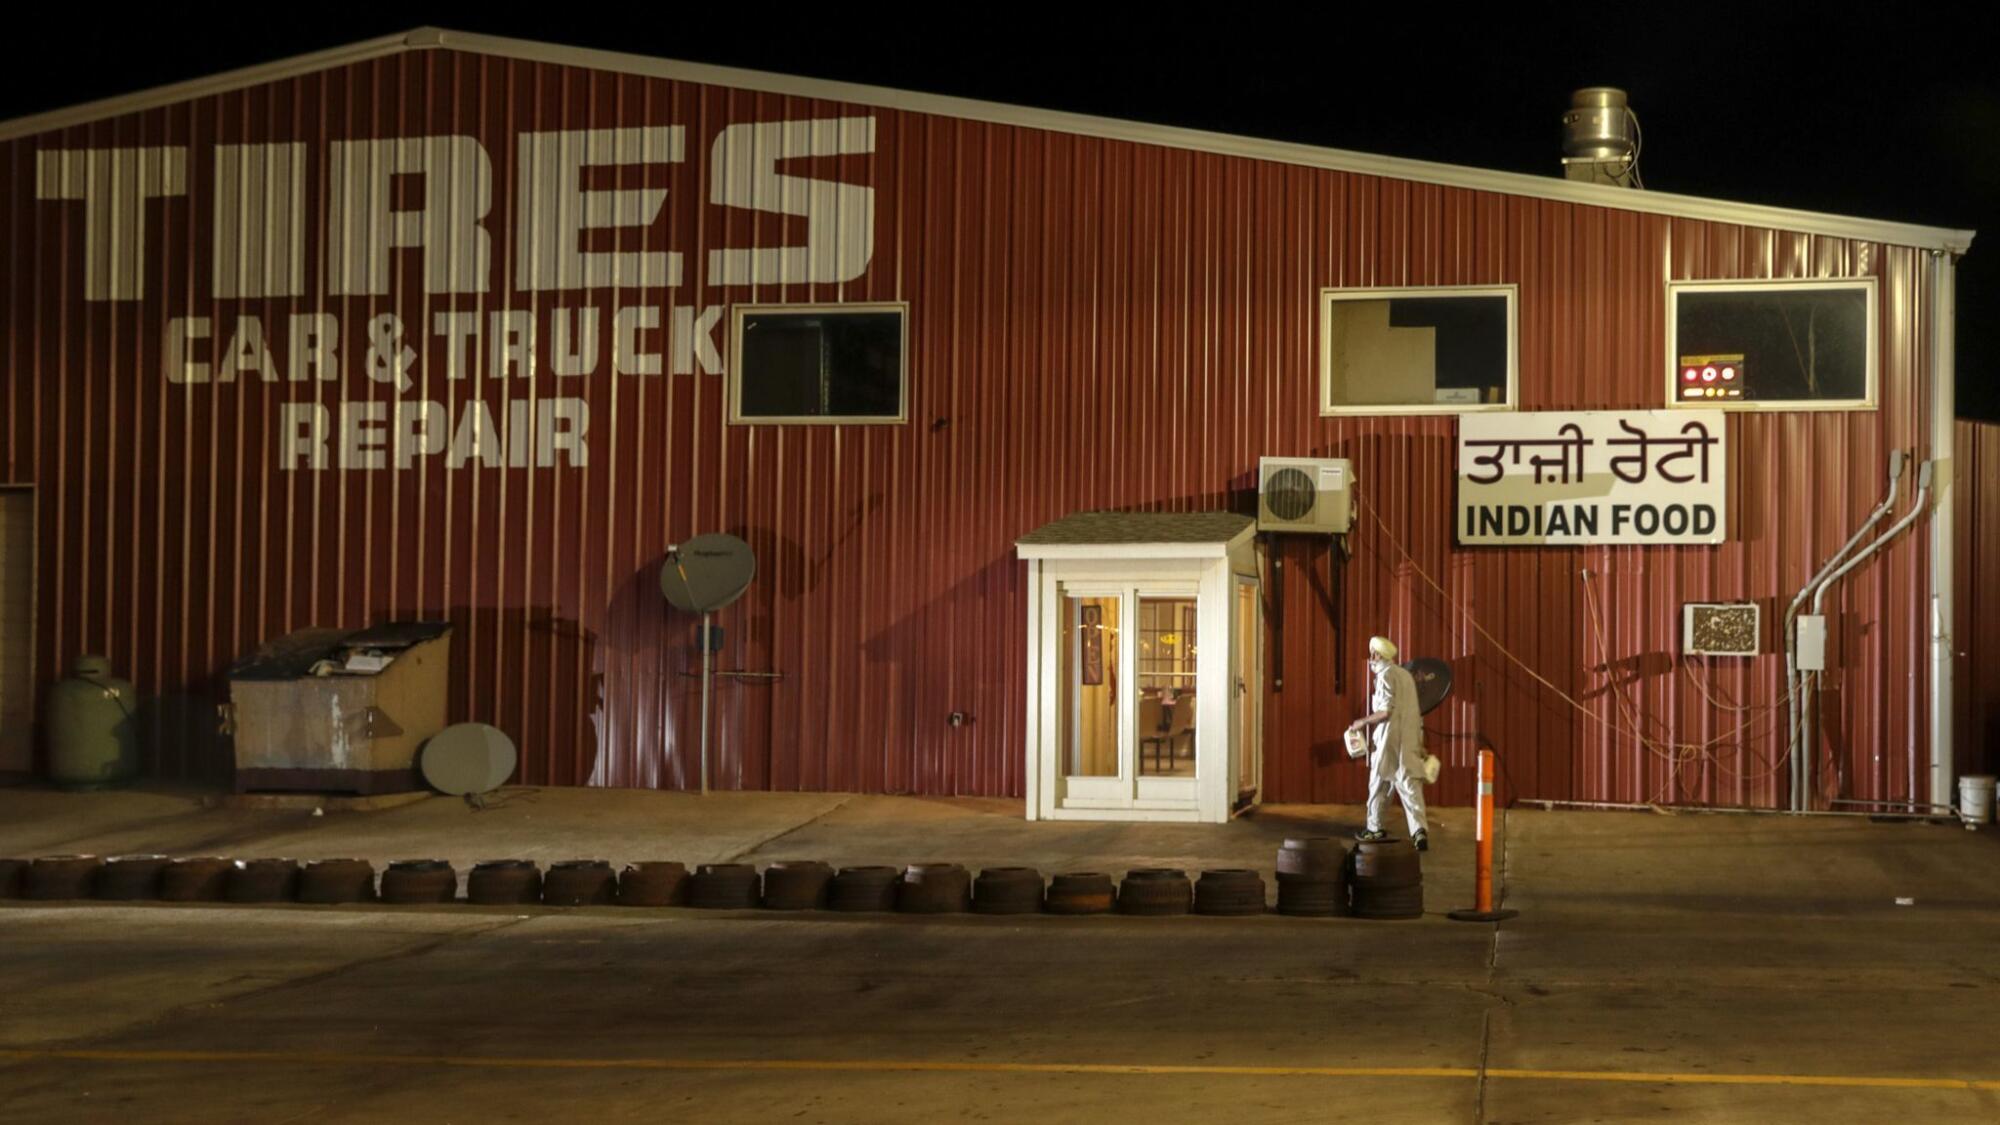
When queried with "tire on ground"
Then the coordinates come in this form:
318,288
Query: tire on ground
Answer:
504,882
330,882
414,882
580,882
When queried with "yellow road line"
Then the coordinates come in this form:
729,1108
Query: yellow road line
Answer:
505,1062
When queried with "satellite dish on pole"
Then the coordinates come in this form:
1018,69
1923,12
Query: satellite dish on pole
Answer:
1433,678
701,576
468,760
707,572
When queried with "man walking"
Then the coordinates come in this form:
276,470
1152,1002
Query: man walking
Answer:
1398,760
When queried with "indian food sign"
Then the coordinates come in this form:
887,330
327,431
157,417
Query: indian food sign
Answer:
1649,477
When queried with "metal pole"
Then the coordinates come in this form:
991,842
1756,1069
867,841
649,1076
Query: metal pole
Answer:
707,679
1482,853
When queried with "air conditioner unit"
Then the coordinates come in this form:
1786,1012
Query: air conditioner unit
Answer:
1311,494
1720,628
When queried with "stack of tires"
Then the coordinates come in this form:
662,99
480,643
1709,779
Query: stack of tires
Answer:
1312,877
1388,880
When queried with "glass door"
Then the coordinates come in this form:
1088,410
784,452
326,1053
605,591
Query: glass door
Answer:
1168,643
1092,756
1127,697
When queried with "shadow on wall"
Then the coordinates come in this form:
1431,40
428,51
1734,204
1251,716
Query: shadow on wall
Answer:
180,736
937,658
526,671
637,688
645,692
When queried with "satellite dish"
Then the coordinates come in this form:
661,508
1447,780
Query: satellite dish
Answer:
468,759
707,572
1433,678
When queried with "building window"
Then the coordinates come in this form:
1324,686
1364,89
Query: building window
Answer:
819,364
1799,345
1417,351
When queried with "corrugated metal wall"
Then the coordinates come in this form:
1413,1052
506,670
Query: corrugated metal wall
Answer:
1976,634
1095,324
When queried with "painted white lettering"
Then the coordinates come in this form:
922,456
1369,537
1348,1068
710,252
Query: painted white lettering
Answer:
520,414
840,217
246,353
511,343
363,225
178,356
459,329
580,358
694,339
114,185
363,434
474,439
260,220
554,210
311,340
419,430
626,358
304,426
389,359
574,414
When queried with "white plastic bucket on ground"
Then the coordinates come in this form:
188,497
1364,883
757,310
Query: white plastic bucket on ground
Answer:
1975,799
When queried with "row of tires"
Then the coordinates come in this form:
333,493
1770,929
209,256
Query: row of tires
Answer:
923,888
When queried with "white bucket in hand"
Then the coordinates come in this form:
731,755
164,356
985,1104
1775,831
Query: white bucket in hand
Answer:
1975,799
1357,747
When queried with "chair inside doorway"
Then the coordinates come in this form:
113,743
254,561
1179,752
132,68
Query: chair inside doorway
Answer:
1167,666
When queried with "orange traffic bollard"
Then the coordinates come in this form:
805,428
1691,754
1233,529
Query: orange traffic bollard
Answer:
1482,861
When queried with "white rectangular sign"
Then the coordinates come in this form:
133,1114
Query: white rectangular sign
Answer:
1633,476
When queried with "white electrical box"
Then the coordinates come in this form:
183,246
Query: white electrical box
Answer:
1314,494
1812,643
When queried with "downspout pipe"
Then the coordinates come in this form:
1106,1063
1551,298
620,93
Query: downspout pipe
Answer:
1918,507
1792,705
1944,411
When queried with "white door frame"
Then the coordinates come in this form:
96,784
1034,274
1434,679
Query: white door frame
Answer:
1252,695
1053,795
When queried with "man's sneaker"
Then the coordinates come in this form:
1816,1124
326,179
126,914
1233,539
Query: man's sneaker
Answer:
1371,835
1423,841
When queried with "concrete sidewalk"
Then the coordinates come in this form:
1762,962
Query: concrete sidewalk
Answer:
623,825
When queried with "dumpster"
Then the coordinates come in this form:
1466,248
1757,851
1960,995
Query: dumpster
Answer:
339,711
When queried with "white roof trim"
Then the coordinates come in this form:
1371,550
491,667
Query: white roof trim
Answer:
213,84
1420,171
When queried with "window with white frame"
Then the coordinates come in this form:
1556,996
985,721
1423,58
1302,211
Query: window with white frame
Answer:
819,364
1772,345
1418,351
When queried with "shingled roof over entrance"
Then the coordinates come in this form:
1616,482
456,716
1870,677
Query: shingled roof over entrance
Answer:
1106,528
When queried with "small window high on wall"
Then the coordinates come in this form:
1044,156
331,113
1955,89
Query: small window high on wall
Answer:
1417,351
1795,345
807,364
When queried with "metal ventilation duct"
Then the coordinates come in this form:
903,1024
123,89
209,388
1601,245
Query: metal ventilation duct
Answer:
1601,138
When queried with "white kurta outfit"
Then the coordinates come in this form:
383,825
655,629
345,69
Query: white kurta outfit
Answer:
1398,760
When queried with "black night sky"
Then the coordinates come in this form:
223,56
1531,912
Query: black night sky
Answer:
1868,110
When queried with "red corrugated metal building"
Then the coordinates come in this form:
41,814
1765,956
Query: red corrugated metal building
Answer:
438,327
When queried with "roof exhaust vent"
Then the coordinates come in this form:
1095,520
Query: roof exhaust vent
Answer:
1601,138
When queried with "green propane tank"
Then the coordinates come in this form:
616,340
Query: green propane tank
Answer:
92,740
